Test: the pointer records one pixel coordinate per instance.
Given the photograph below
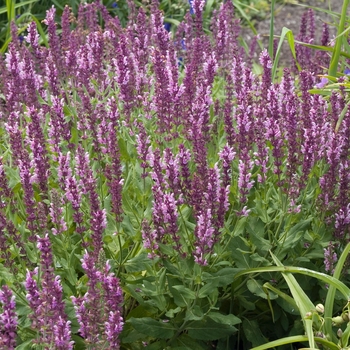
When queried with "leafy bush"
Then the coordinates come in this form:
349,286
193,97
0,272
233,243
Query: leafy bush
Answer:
144,176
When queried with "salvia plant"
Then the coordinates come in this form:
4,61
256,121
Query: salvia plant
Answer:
160,190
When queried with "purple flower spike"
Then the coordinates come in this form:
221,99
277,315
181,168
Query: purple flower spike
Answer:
330,258
62,334
204,233
8,319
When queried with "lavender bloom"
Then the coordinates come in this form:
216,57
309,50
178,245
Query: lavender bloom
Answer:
149,239
113,171
204,233
306,35
33,39
227,155
55,48
244,212
184,157
143,142
46,304
165,215
265,61
172,172
66,31
88,307
37,144
216,199
113,300
274,135
289,109
330,258
244,181
56,211
8,319
98,311
51,74
15,134
62,334
342,221
26,179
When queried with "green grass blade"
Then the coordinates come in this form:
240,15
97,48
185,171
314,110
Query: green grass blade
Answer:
333,66
305,305
5,45
296,339
15,6
328,313
322,48
238,5
286,33
173,21
58,5
208,8
284,296
341,117
332,281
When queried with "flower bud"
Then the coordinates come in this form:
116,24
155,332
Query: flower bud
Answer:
345,317
337,321
320,308
339,333
308,315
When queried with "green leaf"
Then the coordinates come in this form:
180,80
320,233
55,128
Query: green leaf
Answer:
230,319
206,290
256,288
182,295
151,327
207,329
185,342
286,33
194,314
138,263
26,345
253,333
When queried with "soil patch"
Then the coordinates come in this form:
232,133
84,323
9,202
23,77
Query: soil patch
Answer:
289,15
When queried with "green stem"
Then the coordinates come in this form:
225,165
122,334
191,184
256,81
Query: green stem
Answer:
333,66
271,29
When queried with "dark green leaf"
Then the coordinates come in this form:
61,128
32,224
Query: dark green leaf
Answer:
139,263
230,319
153,328
207,329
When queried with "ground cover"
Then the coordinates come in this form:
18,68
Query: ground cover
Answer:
163,190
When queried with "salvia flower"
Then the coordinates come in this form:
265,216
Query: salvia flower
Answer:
99,310
330,258
8,319
204,233
46,302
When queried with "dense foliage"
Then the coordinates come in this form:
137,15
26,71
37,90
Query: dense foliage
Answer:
150,182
